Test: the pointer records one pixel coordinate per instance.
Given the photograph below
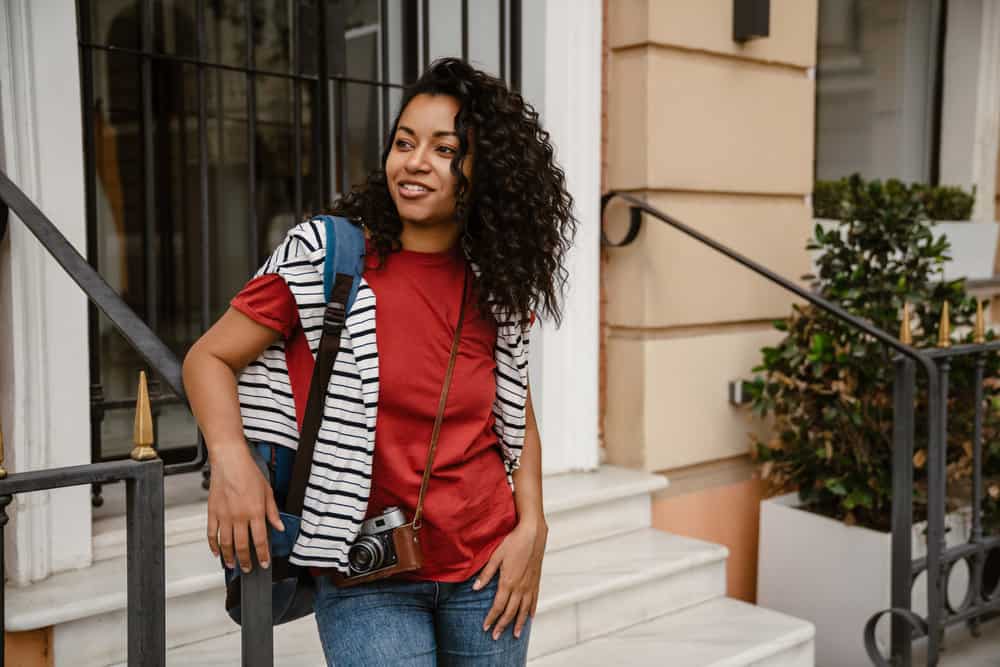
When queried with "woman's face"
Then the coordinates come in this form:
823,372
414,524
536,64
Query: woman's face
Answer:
418,167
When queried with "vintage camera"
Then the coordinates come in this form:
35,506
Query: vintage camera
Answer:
375,548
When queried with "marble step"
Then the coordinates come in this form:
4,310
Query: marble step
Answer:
87,606
718,633
586,591
579,507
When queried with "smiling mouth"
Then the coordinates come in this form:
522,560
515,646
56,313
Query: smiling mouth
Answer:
413,188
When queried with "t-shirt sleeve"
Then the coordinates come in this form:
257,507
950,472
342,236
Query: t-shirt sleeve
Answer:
267,300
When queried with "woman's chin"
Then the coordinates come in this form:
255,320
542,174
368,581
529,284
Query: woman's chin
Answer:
417,215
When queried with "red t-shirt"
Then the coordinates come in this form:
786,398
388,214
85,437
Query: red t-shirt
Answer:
469,508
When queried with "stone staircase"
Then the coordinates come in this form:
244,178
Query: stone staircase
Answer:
614,591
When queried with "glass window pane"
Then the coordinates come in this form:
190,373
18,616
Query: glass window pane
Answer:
363,136
484,35
275,174
114,24
445,24
226,32
874,89
228,181
175,27
273,35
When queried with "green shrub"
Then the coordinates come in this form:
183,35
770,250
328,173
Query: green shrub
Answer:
831,199
827,388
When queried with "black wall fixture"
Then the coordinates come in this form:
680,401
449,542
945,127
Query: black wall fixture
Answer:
751,19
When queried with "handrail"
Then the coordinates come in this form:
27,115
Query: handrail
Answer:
813,298
132,327
903,622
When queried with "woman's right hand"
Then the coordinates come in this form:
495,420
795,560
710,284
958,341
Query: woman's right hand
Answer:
240,500
240,503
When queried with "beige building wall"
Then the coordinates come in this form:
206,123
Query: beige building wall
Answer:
719,135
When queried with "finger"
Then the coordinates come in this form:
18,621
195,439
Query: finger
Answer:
486,574
513,604
272,513
258,529
534,606
226,543
522,615
499,604
241,537
213,534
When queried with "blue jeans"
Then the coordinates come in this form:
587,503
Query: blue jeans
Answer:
414,623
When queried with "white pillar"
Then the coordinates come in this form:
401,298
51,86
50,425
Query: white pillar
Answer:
44,397
970,128
565,377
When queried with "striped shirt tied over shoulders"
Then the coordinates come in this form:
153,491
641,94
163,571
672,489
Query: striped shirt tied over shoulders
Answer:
340,480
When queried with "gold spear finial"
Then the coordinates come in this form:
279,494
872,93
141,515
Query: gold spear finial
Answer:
3,470
944,331
980,334
905,334
143,434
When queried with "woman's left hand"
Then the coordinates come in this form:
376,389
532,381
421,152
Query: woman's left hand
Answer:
519,559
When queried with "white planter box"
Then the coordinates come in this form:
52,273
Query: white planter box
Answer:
973,247
837,576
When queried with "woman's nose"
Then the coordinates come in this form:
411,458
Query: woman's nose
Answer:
416,160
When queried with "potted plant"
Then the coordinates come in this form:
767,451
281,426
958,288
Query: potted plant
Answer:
972,244
825,550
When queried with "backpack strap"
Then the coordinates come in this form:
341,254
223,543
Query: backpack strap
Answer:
345,253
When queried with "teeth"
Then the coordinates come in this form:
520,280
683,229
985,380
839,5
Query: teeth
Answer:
413,188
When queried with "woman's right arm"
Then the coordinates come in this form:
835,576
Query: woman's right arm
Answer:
240,499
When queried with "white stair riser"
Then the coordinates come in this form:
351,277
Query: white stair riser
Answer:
593,522
178,531
101,640
199,616
567,527
800,655
621,608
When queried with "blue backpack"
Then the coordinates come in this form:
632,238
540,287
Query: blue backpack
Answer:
292,589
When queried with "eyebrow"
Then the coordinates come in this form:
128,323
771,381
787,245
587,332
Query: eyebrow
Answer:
439,133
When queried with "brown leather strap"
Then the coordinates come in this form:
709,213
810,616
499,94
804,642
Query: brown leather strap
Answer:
329,345
440,414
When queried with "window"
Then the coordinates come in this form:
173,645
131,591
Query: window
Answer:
211,127
878,100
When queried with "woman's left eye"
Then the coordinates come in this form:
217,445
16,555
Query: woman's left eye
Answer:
447,150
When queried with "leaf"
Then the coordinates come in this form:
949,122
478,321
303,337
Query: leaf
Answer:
836,486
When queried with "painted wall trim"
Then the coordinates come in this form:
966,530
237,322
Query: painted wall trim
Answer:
970,129
45,398
567,384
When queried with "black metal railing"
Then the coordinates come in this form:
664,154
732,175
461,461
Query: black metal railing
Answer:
143,472
143,477
906,624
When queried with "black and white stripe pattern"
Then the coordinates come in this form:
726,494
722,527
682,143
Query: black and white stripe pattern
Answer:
340,481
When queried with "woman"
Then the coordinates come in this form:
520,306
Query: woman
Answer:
468,191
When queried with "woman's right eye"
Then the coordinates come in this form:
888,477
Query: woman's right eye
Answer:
402,143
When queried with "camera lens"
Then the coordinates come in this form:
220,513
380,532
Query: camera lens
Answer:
365,555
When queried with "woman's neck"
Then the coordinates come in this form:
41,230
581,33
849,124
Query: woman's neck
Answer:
429,238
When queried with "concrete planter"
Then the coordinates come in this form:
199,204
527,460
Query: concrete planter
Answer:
973,247
836,576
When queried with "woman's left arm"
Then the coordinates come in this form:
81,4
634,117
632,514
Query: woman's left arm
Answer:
519,556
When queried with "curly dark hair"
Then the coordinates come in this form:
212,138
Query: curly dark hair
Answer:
517,213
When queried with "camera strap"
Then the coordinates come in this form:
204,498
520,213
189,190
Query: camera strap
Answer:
441,404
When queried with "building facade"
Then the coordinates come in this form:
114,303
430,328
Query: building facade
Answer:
172,153
730,138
